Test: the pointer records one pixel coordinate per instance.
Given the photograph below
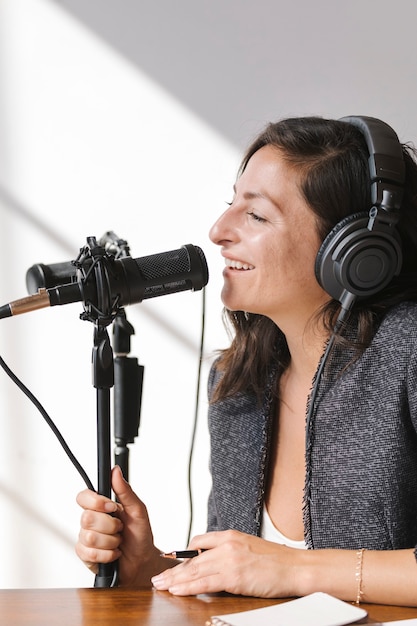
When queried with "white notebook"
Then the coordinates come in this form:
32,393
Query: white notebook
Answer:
316,609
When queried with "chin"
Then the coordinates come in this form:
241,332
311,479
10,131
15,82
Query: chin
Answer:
231,305
234,301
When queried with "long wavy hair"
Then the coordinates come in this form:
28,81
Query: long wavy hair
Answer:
331,159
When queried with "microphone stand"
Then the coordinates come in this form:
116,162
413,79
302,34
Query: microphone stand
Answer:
102,313
103,380
122,373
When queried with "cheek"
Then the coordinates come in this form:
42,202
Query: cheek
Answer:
297,257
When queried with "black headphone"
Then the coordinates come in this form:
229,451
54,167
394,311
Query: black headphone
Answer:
362,253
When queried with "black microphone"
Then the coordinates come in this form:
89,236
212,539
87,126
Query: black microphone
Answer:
128,281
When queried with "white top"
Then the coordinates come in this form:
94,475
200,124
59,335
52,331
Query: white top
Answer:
271,533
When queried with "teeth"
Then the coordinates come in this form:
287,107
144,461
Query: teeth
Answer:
238,265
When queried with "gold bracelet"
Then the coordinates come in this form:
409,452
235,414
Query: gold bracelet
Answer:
358,574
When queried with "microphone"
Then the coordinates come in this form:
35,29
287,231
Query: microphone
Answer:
127,280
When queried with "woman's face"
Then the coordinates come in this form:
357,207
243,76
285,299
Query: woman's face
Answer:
268,238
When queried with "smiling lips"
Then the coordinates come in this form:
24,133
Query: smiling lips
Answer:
238,265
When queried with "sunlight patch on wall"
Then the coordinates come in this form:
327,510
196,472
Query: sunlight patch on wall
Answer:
91,144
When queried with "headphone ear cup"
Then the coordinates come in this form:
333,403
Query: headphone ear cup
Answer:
357,260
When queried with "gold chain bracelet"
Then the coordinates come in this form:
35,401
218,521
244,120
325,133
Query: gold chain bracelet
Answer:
358,574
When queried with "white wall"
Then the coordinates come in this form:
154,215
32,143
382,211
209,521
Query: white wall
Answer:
137,126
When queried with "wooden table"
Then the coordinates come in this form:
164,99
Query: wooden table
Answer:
124,607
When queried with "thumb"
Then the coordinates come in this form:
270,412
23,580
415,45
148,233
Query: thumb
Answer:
123,491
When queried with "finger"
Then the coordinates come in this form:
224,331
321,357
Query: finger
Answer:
101,523
181,572
191,577
212,539
92,556
88,499
92,539
203,542
208,584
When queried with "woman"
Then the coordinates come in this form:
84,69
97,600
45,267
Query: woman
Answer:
344,485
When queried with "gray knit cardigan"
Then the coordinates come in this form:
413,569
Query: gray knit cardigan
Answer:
361,484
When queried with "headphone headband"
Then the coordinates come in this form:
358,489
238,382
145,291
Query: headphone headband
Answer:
386,163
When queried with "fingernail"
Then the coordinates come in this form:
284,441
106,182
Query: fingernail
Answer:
157,581
110,507
119,469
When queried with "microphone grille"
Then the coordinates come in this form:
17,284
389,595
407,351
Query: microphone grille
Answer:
165,264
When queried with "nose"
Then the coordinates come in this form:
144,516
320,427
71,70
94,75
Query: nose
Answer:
221,230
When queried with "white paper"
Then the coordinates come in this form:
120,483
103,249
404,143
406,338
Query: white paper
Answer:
402,622
316,609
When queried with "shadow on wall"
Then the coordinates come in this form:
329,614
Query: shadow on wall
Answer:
239,64
33,514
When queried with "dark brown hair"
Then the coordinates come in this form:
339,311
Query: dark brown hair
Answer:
331,158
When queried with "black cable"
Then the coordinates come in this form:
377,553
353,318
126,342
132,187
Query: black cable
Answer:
50,423
196,409
70,454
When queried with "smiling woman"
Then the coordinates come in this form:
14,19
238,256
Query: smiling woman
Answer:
345,489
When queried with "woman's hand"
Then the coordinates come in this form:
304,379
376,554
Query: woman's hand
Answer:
247,565
233,562
118,530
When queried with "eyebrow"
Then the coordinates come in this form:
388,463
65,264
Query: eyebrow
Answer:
253,195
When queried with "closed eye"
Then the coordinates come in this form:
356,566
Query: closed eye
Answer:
256,217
